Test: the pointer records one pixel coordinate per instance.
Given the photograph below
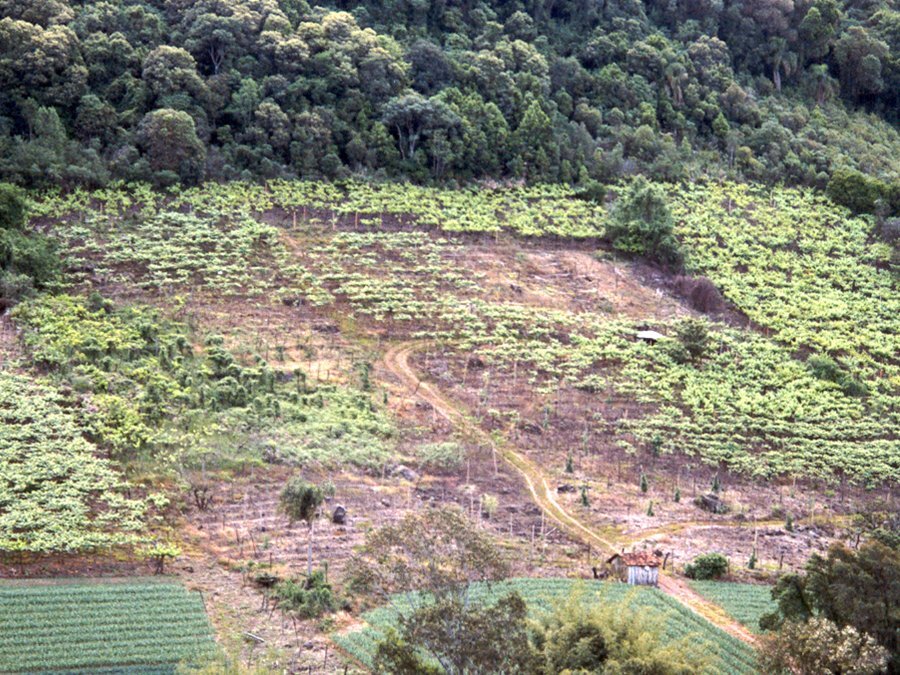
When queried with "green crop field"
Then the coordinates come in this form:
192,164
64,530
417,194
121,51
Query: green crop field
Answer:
133,627
745,602
730,656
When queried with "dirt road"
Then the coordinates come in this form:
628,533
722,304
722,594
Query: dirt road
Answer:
396,360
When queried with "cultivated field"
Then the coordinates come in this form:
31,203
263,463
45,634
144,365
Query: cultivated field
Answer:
745,602
729,655
134,626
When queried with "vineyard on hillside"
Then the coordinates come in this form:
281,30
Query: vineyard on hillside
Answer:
146,627
203,346
812,393
730,656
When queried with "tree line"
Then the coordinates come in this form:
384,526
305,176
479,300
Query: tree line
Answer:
558,90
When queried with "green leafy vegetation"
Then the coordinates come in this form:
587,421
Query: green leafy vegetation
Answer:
746,603
820,645
56,494
613,637
811,278
707,566
458,616
151,394
197,159
447,456
309,597
728,655
641,223
858,589
28,260
83,626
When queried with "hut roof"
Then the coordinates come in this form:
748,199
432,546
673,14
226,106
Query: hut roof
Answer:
637,559
650,335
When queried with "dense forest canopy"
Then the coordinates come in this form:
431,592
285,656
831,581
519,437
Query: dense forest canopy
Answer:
556,90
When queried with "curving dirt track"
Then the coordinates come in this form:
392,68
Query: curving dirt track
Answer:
396,360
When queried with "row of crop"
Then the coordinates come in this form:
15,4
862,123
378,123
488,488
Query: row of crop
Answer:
99,594
99,625
111,592
749,403
747,603
797,265
537,211
136,627
541,595
102,647
752,406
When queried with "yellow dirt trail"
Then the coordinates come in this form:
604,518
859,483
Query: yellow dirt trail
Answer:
396,360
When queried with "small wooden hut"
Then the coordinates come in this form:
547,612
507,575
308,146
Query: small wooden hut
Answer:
640,568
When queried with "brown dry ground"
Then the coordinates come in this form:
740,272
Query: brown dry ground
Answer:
10,349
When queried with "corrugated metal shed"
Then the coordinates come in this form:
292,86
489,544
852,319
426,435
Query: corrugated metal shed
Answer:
640,568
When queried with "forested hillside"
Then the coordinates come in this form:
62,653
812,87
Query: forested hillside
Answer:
560,90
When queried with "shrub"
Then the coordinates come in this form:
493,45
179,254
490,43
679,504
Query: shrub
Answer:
27,261
592,191
701,294
707,566
447,456
12,207
861,193
489,505
853,190
308,597
827,369
692,343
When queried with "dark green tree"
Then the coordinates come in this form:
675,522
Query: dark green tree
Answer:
415,118
641,223
856,588
27,260
169,141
